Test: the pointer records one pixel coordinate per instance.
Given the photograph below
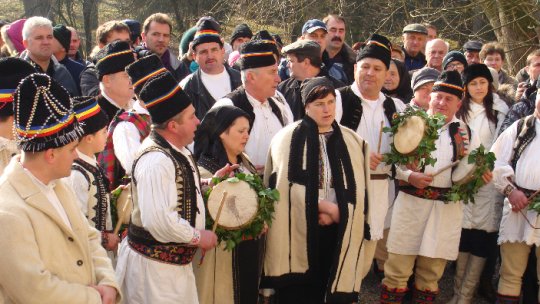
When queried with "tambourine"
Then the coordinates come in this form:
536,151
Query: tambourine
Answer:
409,135
239,208
124,204
464,171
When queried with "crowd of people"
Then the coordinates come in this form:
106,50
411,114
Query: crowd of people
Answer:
308,117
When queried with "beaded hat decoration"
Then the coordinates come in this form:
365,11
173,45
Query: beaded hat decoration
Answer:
163,97
143,69
114,58
89,114
44,116
13,71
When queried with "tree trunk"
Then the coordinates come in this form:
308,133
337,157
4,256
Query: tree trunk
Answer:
90,18
37,8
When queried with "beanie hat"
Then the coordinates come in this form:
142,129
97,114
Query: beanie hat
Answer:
474,71
114,58
423,76
14,34
449,82
454,56
207,31
13,71
256,54
43,115
143,69
89,114
163,97
310,84
134,29
63,35
241,30
187,37
378,47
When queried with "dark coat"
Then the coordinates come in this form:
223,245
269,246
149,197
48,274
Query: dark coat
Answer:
202,99
524,107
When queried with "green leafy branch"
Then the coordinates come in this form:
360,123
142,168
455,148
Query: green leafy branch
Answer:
265,212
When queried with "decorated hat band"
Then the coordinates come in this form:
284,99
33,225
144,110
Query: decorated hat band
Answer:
46,130
377,43
115,54
204,33
145,78
268,41
259,54
6,95
88,111
444,84
160,99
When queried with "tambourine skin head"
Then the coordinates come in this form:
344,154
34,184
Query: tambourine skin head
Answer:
464,172
240,206
125,199
409,135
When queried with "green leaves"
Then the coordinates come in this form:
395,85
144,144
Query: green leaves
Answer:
484,161
422,153
535,204
265,214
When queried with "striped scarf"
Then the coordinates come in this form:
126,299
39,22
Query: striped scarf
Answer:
107,159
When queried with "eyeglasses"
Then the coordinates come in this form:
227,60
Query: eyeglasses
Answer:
453,66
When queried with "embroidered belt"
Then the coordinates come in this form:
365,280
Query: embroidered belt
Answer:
430,193
142,241
379,176
527,192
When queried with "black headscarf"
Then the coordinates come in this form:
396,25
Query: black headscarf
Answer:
403,90
208,145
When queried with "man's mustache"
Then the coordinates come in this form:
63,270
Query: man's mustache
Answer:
336,38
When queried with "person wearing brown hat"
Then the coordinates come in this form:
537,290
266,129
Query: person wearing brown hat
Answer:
213,79
304,61
363,107
45,239
61,46
320,168
168,219
39,52
426,227
13,71
414,42
267,108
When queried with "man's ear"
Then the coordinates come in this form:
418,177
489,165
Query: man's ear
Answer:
49,155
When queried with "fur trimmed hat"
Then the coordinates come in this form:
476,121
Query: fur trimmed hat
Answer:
143,69
256,54
163,97
114,58
449,82
207,31
14,70
89,114
378,47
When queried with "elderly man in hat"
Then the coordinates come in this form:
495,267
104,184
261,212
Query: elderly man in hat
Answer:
168,219
304,61
365,109
61,46
213,79
45,239
471,49
414,42
267,108
426,228
38,40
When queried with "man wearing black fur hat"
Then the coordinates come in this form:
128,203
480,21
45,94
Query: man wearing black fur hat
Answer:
426,228
213,80
257,96
363,107
46,241
241,34
13,71
168,219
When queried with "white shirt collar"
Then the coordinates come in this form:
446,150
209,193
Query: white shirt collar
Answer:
256,103
91,160
137,108
356,91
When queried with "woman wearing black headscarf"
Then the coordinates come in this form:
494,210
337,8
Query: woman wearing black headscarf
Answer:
398,82
227,276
